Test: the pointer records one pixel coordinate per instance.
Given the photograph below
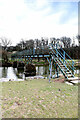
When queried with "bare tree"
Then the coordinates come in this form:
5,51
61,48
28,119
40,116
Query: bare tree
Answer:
5,42
66,41
53,40
23,43
78,37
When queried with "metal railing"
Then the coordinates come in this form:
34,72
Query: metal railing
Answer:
63,56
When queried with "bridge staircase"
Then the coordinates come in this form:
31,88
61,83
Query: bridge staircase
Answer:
62,60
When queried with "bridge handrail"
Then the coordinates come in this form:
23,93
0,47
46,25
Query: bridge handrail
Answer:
68,57
61,61
62,57
61,68
72,64
65,52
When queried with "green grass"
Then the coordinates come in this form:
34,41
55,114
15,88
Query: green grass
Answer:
39,99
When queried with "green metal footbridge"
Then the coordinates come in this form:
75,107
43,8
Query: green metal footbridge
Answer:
55,55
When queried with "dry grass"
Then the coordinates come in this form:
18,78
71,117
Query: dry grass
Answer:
39,99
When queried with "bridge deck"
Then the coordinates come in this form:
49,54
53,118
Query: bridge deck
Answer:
32,56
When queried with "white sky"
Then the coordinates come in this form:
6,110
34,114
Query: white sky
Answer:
31,19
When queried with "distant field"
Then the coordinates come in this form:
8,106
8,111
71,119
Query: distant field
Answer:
38,98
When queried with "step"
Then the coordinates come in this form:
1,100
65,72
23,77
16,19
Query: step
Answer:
68,72
73,82
63,65
59,62
63,69
68,83
69,76
57,58
74,78
76,81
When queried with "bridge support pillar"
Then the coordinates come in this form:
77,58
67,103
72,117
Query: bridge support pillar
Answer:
50,70
57,71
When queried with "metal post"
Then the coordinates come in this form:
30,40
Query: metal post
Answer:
31,60
50,70
54,69
64,59
73,67
33,51
38,58
64,56
57,70
27,60
16,58
56,50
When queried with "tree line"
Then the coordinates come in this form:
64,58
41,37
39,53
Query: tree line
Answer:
36,43
43,43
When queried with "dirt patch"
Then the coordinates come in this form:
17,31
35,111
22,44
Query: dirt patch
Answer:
59,80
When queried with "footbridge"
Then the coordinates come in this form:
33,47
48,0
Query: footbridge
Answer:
54,54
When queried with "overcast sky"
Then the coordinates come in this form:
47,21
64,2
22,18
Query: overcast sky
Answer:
30,19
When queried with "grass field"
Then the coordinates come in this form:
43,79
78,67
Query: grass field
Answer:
38,98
